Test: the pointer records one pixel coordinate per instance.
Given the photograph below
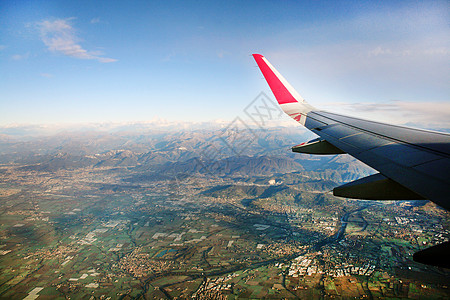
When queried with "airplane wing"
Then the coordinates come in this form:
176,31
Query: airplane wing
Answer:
413,164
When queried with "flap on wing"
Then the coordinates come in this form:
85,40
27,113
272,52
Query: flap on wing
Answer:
375,187
317,146
435,256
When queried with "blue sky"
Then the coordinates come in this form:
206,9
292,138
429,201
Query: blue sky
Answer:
133,61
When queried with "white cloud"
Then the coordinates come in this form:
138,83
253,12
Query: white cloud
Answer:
106,60
420,52
47,75
95,20
20,56
59,36
222,53
379,51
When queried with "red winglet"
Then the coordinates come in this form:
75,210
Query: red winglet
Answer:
279,89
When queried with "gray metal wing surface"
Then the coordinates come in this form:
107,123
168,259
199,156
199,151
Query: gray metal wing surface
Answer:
412,163
414,158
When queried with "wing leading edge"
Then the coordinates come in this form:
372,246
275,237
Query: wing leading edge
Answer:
412,163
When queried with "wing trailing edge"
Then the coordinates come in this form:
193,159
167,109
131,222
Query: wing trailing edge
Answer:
317,146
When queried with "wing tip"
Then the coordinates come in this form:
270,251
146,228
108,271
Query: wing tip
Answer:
258,57
281,89
291,102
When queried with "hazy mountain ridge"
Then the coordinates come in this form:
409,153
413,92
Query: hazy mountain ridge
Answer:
215,151
171,144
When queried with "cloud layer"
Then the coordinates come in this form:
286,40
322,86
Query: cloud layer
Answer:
59,36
